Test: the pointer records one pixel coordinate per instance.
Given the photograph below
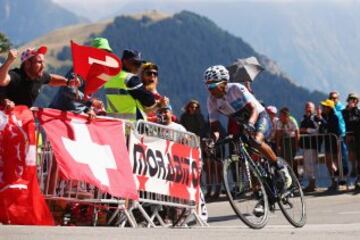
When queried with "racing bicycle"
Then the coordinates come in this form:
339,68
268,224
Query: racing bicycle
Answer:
252,185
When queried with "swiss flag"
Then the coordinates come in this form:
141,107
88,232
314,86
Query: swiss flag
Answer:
95,66
21,201
94,152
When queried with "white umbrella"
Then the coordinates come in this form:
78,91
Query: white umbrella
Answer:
244,70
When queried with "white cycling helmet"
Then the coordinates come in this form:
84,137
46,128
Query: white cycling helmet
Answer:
216,73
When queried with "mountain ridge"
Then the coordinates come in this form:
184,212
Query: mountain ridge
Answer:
23,20
183,46
315,41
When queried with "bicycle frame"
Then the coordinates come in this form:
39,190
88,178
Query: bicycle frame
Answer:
261,166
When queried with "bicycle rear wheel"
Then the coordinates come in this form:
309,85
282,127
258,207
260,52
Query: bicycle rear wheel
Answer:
246,192
292,202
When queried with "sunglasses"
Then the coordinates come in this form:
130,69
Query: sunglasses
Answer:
150,73
212,86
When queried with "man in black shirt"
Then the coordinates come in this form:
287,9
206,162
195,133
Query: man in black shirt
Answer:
22,85
351,116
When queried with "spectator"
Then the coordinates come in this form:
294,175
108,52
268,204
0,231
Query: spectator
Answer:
149,74
331,127
272,111
192,119
164,114
71,99
339,107
164,117
22,85
352,120
6,105
310,126
287,137
126,97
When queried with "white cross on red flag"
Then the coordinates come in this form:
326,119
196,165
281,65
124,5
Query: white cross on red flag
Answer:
95,66
91,151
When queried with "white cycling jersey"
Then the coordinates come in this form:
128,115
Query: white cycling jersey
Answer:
235,99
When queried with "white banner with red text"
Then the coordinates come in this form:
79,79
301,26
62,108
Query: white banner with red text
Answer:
165,167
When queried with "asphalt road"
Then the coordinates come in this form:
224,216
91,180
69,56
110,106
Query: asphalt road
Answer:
328,217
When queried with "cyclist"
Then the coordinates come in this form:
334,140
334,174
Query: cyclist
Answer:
235,100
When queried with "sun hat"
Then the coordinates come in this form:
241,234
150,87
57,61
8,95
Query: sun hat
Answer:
328,103
101,43
272,109
352,96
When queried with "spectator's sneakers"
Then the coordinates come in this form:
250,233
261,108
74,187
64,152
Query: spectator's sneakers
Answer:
334,186
311,187
343,182
357,184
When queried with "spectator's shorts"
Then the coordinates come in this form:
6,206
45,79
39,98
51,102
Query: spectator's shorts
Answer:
263,125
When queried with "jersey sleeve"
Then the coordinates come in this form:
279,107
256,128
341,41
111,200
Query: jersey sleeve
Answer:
241,97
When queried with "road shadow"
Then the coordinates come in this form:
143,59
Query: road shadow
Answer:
222,218
220,198
325,193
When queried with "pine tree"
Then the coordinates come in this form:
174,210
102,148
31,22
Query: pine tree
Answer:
5,43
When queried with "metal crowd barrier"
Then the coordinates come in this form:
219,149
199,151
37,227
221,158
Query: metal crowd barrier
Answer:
211,177
163,132
159,201
120,212
315,155
63,195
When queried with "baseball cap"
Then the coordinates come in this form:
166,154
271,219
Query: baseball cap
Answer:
328,103
352,96
165,107
272,109
31,52
101,43
131,54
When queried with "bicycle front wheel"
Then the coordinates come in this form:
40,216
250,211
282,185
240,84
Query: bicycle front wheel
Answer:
292,202
246,192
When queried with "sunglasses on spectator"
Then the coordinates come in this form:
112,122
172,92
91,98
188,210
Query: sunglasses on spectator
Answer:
150,73
194,107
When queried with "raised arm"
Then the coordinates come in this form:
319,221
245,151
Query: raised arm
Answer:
4,69
57,80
